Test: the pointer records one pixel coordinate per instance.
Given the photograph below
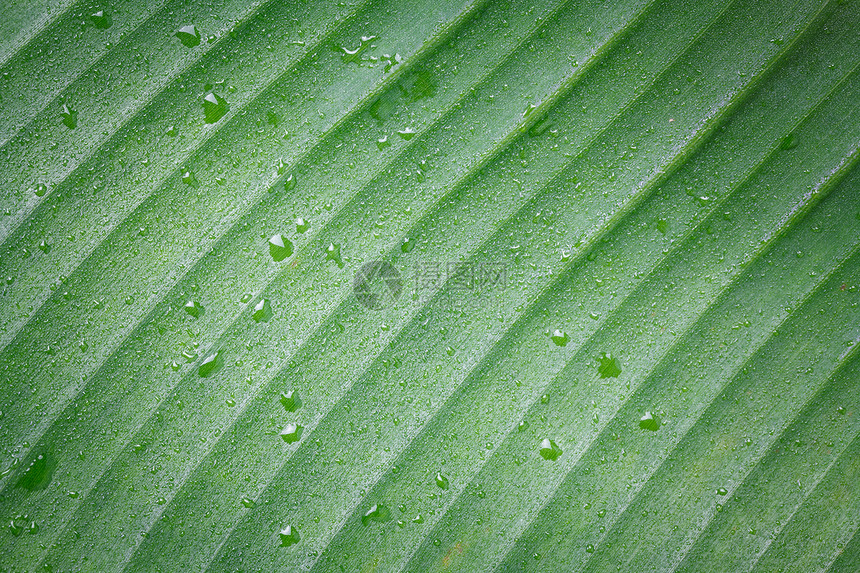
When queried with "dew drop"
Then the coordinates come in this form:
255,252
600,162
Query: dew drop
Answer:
560,338
248,502
609,366
407,133
262,311
441,481
650,422
407,245
214,107
589,548
290,182
193,308
70,117
292,433
291,401
332,253
280,248
722,491
210,365
302,226
289,536
383,142
40,190
377,513
189,36
101,19
549,450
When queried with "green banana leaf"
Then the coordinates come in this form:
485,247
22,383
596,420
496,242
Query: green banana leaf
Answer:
410,285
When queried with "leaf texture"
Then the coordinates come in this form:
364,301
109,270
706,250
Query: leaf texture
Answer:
462,285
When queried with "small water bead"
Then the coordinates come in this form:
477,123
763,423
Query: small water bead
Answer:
214,107
231,402
248,502
722,491
383,142
407,245
302,226
840,410
289,536
70,117
262,311
589,548
189,179
291,433
189,36
441,481
44,247
40,190
280,248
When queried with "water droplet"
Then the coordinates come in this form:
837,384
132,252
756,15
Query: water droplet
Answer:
302,226
262,311
193,308
722,491
383,142
40,190
523,426
290,182
544,399
70,117
44,247
788,142
407,133
101,19
407,245
332,253
289,536
189,36
230,402
355,55
292,433
189,179
280,248
441,481
161,501
589,548
377,512
560,338
210,365
291,401
418,519
248,502
74,494
609,366
840,410
601,513
549,450
650,422
38,474
214,107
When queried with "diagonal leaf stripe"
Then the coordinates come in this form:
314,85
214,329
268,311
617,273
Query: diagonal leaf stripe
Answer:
617,267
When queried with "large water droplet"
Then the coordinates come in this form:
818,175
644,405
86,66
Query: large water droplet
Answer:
280,248
193,308
70,117
38,474
101,19
650,422
560,338
549,450
332,253
291,401
189,36
377,512
210,365
289,536
214,107
292,433
262,311
609,366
